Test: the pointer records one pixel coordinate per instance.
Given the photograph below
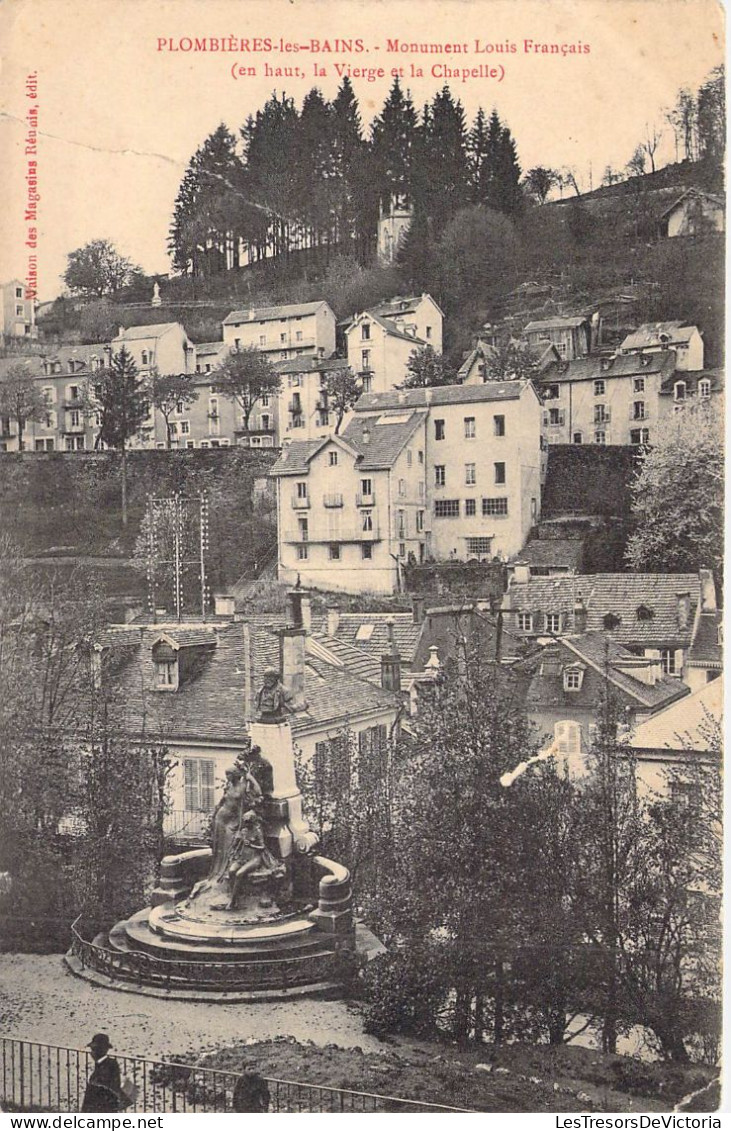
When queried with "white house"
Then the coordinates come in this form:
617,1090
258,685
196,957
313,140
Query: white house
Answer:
379,351
162,346
659,337
18,312
694,213
283,332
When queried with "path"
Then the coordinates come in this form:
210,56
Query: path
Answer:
41,1001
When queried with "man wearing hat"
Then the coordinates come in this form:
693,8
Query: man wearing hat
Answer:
104,1088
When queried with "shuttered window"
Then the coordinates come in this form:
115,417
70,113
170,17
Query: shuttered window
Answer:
199,783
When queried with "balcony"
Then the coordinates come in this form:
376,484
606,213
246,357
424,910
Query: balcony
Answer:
332,499
73,403
346,533
300,504
363,500
295,406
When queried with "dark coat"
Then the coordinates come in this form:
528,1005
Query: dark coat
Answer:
251,1093
104,1089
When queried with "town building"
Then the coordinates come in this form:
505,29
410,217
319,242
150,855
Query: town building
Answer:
303,409
651,614
195,684
572,336
661,337
675,751
417,315
17,311
566,680
163,347
694,213
283,332
605,400
444,473
381,340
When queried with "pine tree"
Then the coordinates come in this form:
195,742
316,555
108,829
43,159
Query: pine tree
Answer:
442,171
355,203
122,402
394,134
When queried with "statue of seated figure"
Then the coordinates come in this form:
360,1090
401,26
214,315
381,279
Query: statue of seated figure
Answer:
250,861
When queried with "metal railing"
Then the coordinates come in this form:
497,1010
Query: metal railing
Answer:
49,1078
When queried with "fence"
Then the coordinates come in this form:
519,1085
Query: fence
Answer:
39,1077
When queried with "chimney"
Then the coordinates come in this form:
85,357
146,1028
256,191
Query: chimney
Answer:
418,609
295,617
224,605
391,663
306,612
683,609
580,615
708,591
120,332
521,573
333,620
366,433
292,665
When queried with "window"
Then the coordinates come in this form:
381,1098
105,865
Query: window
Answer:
500,473
73,391
469,427
409,457
334,552
478,545
144,357
497,508
553,622
525,622
600,437
644,613
704,389
366,486
262,339
440,475
553,392
420,521
555,416
75,418
470,474
639,436
402,550
304,529
265,421
173,428
420,457
610,621
298,336
301,490
685,795
438,429
367,520
578,438
638,410
19,311
333,459
166,673
365,331
567,737
185,427
402,487
265,401
599,388
470,508
367,383
366,551
302,552
18,292
669,659
365,358
446,508
639,384
679,390
573,679
200,784
499,423
600,413
402,524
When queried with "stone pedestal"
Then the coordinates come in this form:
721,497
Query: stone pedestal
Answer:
285,823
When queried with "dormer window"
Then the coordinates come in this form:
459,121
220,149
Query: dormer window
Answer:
679,390
611,621
166,675
573,678
704,389
644,613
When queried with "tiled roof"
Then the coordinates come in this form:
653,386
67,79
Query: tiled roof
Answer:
691,379
694,192
393,329
308,364
688,725
624,365
188,637
210,705
542,552
600,657
568,323
406,634
399,304
295,457
272,313
442,395
360,663
706,650
137,333
209,347
385,442
621,594
657,334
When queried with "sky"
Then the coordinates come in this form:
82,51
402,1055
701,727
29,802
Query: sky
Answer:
122,105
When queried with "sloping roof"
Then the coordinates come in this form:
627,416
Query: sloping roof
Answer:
209,347
357,661
481,351
137,333
542,552
658,334
706,650
623,365
273,313
391,328
294,458
568,323
210,705
687,725
693,192
188,637
691,378
375,643
400,304
606,655
620,594
386,440
308,364
442,395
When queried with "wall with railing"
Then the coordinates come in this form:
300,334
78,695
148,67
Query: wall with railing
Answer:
50,1078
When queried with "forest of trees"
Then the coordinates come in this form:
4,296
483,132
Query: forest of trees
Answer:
311,181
